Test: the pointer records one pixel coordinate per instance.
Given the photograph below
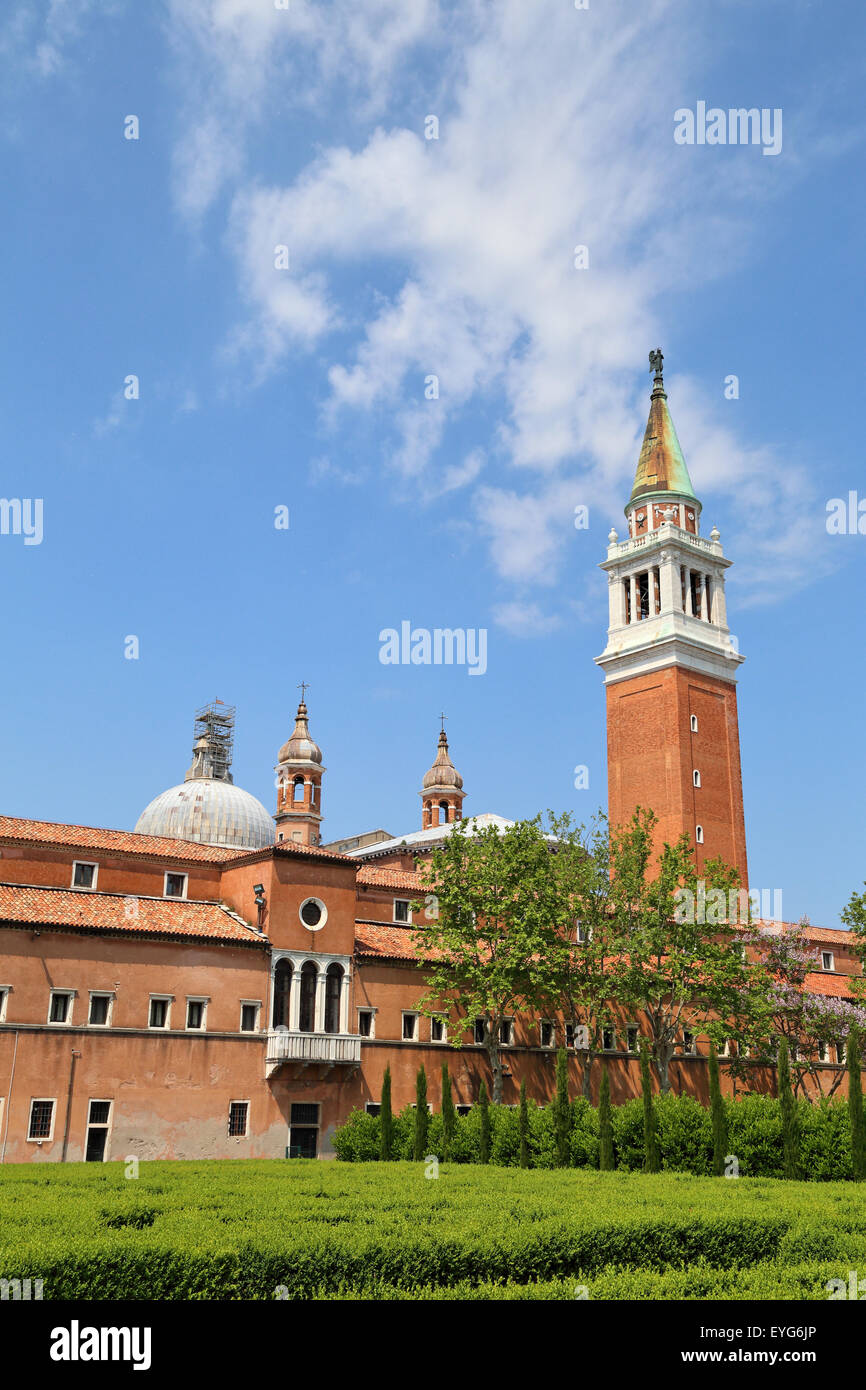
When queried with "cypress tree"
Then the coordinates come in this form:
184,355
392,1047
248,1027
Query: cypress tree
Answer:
652,1162
719,1114
524,1127
855,1107
449,1115
484,1107
562,1116
605,1127
790,1118
422,1115
386,1119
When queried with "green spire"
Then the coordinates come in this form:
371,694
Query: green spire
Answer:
661,466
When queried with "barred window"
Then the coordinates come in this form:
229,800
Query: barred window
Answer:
238,1111
41,1119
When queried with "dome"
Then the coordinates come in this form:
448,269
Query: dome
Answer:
210,811
300,748
443,773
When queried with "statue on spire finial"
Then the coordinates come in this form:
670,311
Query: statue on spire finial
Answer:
656,360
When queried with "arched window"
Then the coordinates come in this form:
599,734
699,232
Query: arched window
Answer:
298,789
699,834
307,1012
282,992
443,812
333,989
694,723
696,776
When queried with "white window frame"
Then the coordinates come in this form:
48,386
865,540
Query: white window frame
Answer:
66,1022
5,991
42,1100
825,955
156,1027
689,1049
175,897
508,1024
841,1054
408,918
693,721
699,834
439,1042
366,1009
251,1004
377,1107
632,1051
106,1125
311,898
409,1013
204,1000
696,777
85,864
246,1133
549,1022
823,1052
608,1028
100,994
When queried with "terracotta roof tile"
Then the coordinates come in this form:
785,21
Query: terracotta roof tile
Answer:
43,832
388,942
828,934
834,986
369,877
117,912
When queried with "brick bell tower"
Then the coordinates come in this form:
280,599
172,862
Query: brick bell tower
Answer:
670,666
299,783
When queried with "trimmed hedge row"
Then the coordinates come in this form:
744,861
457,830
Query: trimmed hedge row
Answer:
684,1134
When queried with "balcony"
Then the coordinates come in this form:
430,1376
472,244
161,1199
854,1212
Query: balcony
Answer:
329,1049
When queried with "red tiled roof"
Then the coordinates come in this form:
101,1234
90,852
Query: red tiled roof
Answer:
43,832
828,934
835,986
387,942
116,912
369,877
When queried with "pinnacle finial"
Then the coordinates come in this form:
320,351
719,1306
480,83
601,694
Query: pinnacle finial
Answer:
656,361
303,687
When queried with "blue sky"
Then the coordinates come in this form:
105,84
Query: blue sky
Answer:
305,388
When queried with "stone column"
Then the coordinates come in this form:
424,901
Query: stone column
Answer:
295,1001
345,993
632,580
669,581
319,1016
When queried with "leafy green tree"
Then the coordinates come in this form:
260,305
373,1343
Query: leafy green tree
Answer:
484,1108
719,1114
605,1125
449,1115
562,1111
682,966
855,1107
524,1127
422,1115
490,899
790,1118
651,1157
386,1119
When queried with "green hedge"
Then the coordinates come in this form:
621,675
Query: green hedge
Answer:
684,1132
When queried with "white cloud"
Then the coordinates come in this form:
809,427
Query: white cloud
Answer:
555,130
525,619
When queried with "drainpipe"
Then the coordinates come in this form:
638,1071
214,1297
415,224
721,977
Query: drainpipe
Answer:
72,1061
9,1100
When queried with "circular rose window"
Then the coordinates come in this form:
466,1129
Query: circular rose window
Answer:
313,914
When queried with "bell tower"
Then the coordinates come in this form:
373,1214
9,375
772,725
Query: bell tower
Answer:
299,783
442,789
670,666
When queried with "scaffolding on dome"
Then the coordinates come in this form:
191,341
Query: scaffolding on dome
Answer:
215,723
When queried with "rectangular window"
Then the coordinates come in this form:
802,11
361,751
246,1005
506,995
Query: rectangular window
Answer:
4,1000
372,1107
305,1113
608,1039
479,1030
689,1043
365,1023
98,1115
249,1017
303,1131
548,1036
823,1052
83,874
463,1110
196,1010
402,910
41,1119
60,1007
506,1032
158,1015
100,1005
437,1030
175,885
569,1035
840,1054
632,1037
238,1118
827,961
410,1027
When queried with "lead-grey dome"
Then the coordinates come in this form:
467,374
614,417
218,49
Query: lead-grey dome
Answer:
210,811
